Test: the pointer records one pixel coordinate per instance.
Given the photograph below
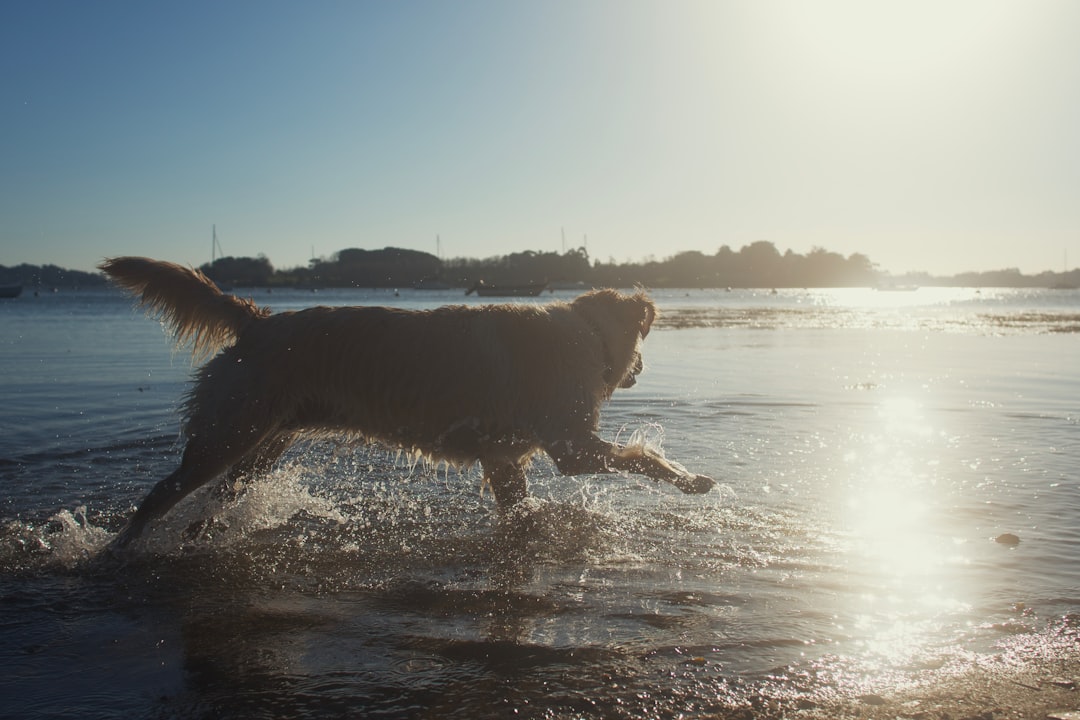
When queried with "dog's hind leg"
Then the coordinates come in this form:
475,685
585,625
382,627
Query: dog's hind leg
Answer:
507,480
205,457
257,462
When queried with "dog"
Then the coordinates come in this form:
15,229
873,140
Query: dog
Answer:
493,384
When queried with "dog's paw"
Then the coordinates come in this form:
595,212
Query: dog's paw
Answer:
694,484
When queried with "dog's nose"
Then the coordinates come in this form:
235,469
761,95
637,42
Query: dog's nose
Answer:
631,377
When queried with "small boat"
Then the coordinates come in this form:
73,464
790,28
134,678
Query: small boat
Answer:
527,290
10,291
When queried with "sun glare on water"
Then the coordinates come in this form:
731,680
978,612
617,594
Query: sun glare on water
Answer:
899,557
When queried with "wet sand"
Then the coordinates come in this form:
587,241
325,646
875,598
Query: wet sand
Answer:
986,691
1034,677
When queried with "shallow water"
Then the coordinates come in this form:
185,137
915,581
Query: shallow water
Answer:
870,447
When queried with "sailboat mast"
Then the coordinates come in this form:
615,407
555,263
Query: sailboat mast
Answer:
215,246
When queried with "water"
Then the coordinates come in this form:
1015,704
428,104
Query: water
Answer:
870,447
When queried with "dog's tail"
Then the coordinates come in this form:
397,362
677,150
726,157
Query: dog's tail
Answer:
186,301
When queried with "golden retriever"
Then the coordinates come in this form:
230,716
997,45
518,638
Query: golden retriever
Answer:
492,384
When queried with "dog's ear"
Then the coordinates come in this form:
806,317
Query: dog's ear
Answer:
648,315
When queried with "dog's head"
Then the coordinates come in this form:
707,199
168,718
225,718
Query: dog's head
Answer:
622,322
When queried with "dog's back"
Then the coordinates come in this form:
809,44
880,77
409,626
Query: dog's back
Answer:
457,383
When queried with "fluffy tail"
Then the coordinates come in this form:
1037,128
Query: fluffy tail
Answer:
188,302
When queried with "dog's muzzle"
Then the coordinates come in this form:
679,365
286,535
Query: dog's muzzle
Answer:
631,377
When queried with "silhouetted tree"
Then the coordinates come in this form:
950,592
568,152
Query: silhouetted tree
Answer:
389,267
240,271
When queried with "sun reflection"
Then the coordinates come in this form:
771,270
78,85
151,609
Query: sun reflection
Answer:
892,298
899,557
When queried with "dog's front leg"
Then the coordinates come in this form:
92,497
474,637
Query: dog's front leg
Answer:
593,455
643,461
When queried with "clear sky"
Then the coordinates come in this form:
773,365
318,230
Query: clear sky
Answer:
928,134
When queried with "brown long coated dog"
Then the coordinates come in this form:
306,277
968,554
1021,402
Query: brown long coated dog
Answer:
493,384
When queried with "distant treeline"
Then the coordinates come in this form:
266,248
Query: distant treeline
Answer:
757,265
48,276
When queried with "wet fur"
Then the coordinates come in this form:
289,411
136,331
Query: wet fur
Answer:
492,384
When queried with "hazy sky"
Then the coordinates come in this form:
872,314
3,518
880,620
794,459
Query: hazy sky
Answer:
929,135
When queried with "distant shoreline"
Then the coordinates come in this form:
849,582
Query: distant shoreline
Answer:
756,266
99,281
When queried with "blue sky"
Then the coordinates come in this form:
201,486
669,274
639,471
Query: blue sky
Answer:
929,135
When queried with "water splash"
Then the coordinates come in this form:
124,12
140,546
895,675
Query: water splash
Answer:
65,540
